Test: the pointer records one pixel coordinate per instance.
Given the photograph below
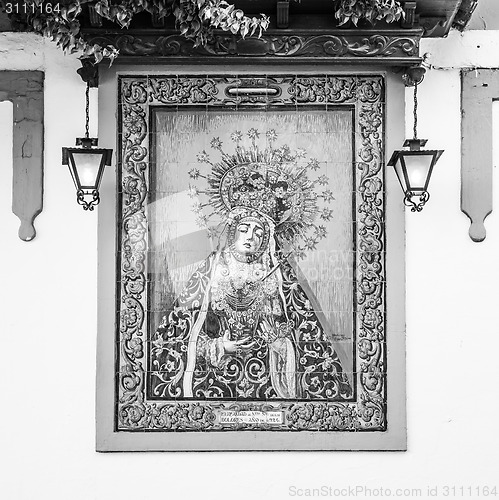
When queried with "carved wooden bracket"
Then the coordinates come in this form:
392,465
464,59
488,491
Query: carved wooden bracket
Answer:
479,88
282,19
25,90
409,15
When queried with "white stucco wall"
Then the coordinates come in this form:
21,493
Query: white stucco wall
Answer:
48,330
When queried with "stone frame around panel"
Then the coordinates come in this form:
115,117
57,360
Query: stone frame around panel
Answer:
136,94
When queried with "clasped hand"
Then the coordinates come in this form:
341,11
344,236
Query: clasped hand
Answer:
232,346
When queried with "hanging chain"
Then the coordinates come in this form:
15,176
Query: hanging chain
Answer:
415,111
87,110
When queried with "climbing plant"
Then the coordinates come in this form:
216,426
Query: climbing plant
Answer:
196,19
370,10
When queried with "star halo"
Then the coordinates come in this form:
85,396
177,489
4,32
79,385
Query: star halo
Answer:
275,182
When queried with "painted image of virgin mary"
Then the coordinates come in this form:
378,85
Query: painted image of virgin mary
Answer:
243,327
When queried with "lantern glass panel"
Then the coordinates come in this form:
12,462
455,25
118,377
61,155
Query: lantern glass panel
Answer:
87,167
418,167
400,173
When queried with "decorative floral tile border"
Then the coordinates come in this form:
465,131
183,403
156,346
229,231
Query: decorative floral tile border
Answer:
137,94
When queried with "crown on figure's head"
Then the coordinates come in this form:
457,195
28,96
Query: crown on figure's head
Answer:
272,181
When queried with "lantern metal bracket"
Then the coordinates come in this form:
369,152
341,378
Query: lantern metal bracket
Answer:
87,142
414,75
88,205
89,72
415,144
423,196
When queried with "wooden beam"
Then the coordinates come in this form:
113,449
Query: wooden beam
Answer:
25,90
479,88
278,46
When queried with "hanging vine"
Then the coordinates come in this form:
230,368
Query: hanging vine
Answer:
370,10
196,19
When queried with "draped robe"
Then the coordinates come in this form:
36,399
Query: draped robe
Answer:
295,359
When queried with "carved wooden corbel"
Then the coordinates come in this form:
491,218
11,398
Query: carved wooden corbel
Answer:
283,14
25,90
95,18
409,15
479,88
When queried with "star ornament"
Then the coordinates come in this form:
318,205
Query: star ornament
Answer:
253,134
326,214
194,173
202,221
313,164
323,180
310,243
197,208
320,232
271,135
216,143
328,196
236,136
203,157
270,180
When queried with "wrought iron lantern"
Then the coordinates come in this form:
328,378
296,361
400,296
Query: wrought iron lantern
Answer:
86,165
414,166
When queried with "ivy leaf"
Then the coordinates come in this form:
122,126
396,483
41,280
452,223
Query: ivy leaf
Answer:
195,19
98,56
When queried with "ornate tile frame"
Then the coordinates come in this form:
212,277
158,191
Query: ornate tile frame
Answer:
307,425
